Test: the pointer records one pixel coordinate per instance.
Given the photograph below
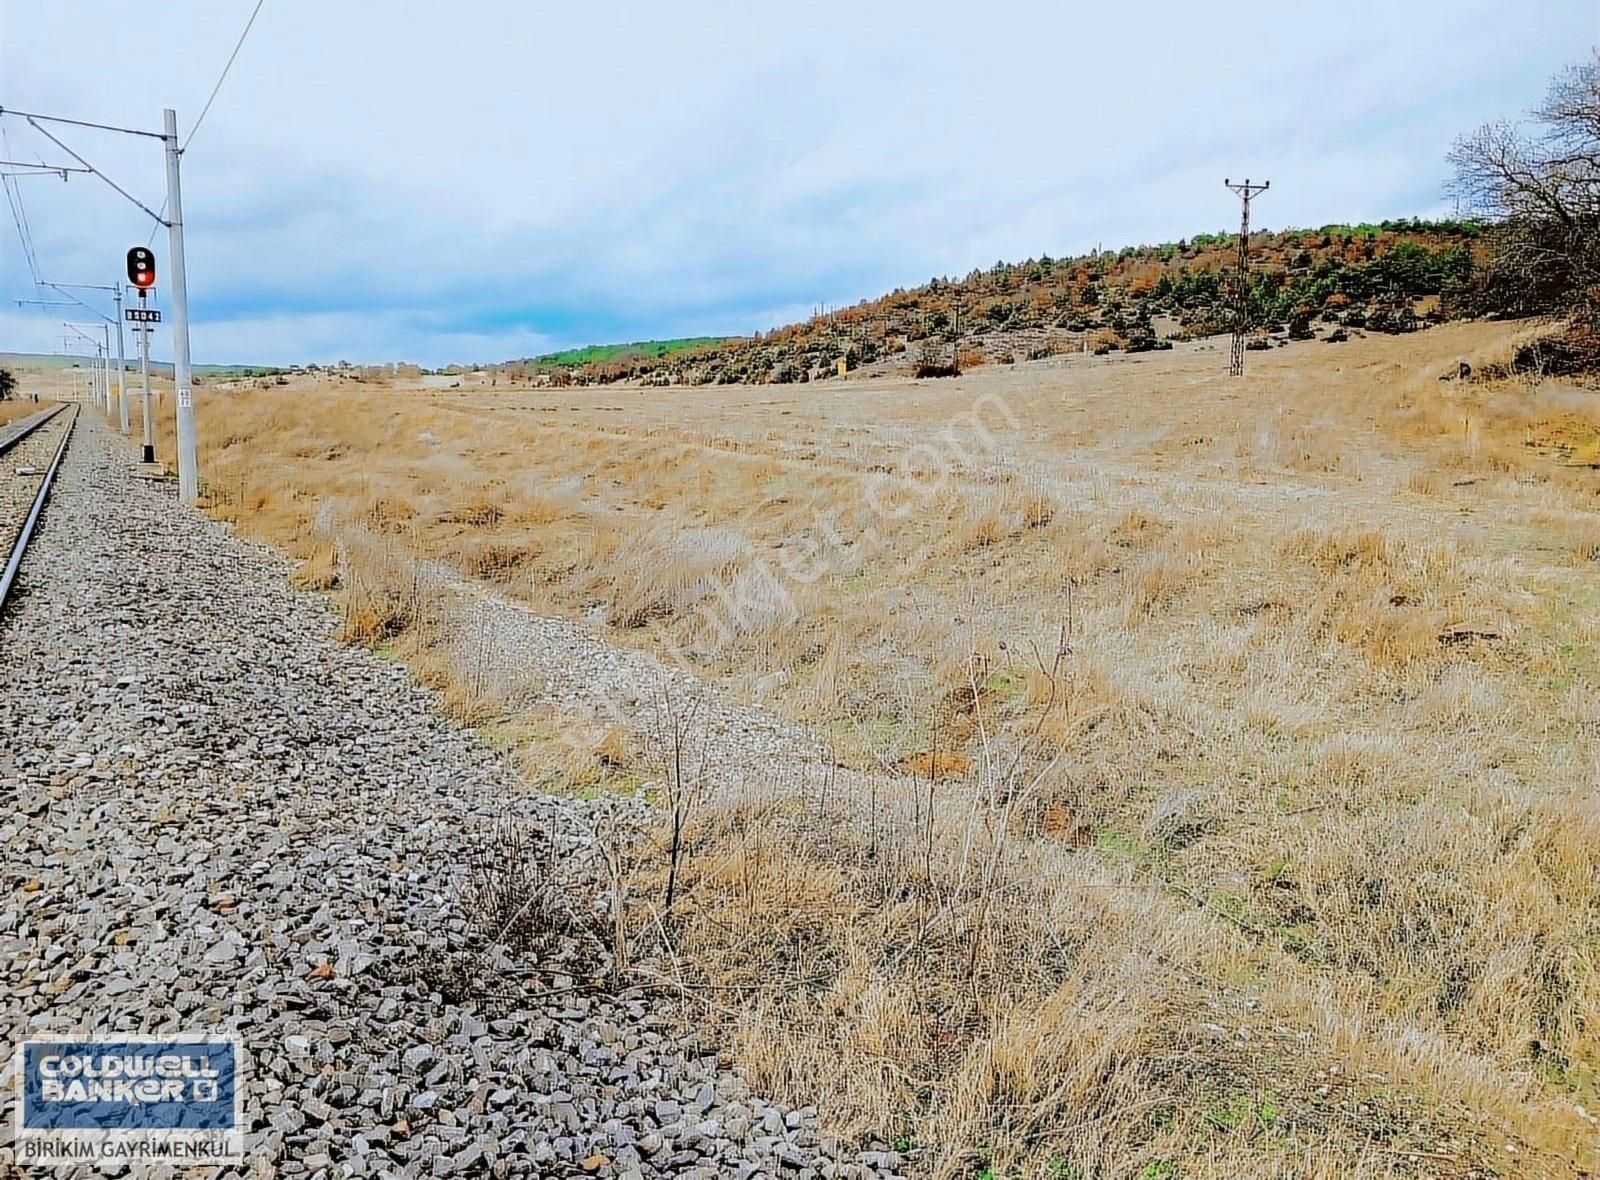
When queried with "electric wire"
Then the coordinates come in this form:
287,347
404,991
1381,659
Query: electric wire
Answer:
19,213
224,75
221,78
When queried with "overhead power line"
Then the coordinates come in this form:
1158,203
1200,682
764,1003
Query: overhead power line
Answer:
19,213
255,12
222,77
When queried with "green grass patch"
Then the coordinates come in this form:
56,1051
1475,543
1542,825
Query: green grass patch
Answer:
1005,685
1237,1109
1118,844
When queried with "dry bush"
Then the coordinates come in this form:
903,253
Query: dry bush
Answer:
511,895
320,570
1106,339
478,509
497,561
380,591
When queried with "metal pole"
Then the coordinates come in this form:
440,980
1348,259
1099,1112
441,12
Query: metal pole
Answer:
122,365
1241,311
144,377
188,452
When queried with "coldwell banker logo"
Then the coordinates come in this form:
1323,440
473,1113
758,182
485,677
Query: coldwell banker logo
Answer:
133,1100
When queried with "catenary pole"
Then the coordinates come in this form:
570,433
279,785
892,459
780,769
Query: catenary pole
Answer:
188,456
122,363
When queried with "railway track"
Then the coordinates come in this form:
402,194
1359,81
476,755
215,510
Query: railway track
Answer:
30,451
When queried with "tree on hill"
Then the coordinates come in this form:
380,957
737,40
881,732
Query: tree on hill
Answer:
1540,183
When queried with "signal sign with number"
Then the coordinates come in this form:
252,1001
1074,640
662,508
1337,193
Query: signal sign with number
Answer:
142,267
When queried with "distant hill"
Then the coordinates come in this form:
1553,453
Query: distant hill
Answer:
1391,276
52,360
638,350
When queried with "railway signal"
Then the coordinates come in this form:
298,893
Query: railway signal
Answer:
142,267
145,317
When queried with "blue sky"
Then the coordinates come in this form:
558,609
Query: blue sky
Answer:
411,180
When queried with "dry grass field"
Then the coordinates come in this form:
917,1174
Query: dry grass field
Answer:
10,411
1239,740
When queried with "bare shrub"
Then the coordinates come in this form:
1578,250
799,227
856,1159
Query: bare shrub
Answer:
511,896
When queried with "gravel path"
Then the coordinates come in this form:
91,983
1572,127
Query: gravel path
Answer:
215,816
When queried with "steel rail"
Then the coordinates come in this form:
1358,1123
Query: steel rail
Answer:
14,563
11,435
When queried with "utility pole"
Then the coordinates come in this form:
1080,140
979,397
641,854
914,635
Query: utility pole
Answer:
122,362
104,350
1246,192
96,369
188,452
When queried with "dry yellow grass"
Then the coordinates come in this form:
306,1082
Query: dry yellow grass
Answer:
10,411
1285,862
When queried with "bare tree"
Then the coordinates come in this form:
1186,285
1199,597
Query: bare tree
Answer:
1540,183
680,744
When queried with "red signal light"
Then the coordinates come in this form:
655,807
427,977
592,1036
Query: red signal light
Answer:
142,267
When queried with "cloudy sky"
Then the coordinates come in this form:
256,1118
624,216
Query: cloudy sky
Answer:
480,179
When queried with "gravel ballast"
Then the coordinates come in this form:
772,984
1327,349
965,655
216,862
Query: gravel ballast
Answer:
218,818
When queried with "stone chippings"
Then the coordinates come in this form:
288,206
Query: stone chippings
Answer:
216,817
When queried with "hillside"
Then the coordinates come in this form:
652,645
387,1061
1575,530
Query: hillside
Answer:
163,369
633,352
1392,276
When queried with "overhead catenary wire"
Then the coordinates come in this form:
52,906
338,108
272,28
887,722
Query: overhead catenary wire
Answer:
19,213
221,78
22,232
